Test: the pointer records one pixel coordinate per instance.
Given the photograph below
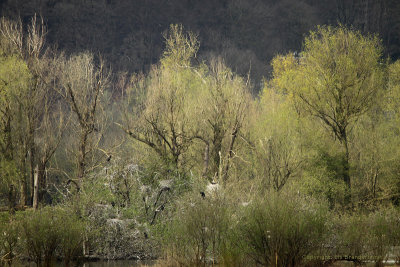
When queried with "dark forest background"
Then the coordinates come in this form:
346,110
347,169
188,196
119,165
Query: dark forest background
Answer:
246,33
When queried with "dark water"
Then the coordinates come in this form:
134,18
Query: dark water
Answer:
117,263
129,263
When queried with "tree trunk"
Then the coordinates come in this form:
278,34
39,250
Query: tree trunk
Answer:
42,179
35,188
216,151
346,166
346,170
32,155
82,157
11,199
23,184
22,199
206,160
32,172
230,151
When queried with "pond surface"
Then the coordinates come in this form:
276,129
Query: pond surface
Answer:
119,263
149,263
116,263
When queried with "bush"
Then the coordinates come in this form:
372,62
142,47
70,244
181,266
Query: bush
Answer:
71,236
380,225
349,235
323,179
365,236
40,235
197,233
48,230
8,239
119,210
282,229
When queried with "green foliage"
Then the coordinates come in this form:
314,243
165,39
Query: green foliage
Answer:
72,231
9,233
365,235
194,122
10,178
394,86
49,229
180,48
351,231
322,179
14,80
15,76
337,78
278,227
197,233
282,228
40,235
188,108
224,103
277,140
161,101
380,233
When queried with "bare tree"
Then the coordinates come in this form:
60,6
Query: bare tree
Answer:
184,103
53,118
83,84
223,108
162,118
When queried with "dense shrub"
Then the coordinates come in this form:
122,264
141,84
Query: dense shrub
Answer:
71,236
40,233
380,224
365,236
282,229
197,233
119,208
279,228
348,235
48,230
8,239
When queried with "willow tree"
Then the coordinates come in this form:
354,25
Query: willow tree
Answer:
14,83
393,112
160,101
222,103
336,79
189,113
83,85
37,101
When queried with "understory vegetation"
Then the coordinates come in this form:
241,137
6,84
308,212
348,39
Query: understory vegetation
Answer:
185,165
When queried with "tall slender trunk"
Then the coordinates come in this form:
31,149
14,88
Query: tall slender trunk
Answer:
11,199
216,151
346,167
9,147
35,200
82,156
230,152
32,168
39,184
22,198
23,183
206,159
42,179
